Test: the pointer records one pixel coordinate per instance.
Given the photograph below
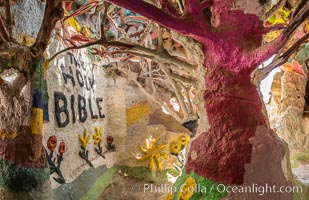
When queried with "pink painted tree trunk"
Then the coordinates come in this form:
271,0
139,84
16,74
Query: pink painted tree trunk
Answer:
232,50
234,110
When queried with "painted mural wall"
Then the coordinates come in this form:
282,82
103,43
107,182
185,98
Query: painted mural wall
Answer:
76,111
85,105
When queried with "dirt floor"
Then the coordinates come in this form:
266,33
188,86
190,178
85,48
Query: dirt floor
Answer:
125,188
302,173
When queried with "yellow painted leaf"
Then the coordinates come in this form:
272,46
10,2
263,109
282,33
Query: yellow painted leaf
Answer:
72,22
85,31
307,26
280,17
27,40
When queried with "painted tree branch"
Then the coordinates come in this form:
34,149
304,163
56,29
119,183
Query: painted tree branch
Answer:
279,60
53,12
103,36
183,26
298,17
3,31
179,96
147,30
151,97
299,7
96,42
274,9
273,47
82,10
187,96
1,39
160,40
184,79
7,8
162,58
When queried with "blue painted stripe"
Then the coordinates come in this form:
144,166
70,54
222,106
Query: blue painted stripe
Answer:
37,99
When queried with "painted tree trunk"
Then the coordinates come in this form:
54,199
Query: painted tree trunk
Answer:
239,148
23,167
234,111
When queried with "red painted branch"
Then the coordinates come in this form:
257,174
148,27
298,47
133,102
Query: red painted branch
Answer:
183,26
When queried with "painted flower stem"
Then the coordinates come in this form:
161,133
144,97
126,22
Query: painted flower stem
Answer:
55,166
84,155
99,150
110,147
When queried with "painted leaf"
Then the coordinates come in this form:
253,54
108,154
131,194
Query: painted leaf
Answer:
85,31
293,67
27,40
272,35
72,22
280,17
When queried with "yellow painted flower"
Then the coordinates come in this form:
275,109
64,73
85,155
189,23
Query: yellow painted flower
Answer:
84,139
175,147
184,140
97,137
187,189
152,153
180,144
